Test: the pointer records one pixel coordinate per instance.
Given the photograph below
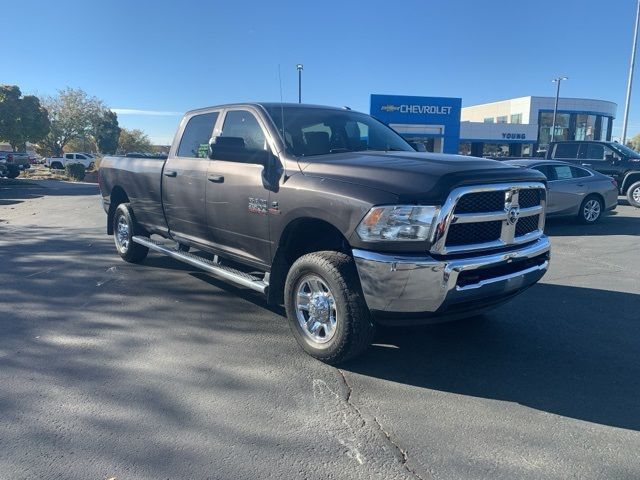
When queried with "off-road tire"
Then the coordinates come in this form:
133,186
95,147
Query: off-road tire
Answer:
633,195
132,252
354,329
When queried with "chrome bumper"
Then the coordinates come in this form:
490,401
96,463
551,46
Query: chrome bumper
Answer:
397,283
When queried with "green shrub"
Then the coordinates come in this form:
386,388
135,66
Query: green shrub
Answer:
75,171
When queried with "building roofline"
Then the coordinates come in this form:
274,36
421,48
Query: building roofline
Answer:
541,96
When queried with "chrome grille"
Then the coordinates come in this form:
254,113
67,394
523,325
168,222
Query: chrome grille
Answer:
489,217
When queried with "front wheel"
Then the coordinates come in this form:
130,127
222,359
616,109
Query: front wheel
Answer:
590,210
633,195
124,228
325,307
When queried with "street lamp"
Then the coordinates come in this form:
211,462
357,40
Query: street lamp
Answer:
557,80
630,81
300,68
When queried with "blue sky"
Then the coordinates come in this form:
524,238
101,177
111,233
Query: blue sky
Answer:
166,57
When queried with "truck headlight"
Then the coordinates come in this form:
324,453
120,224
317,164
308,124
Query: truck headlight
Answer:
397,222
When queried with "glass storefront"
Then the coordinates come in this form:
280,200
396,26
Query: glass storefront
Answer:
573,126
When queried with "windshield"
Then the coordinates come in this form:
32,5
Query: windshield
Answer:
321,131
625,150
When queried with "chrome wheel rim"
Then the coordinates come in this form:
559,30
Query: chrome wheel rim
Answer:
591,210
316,309
636,195
122,234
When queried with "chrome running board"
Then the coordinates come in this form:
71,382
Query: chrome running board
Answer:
214,268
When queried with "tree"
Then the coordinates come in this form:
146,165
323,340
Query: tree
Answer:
134,141
86,144
73,114
107,132
22,118
634,142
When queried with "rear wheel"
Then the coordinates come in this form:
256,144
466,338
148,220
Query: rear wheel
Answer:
325,307
13,173
590,210
124,228
633,194
56,166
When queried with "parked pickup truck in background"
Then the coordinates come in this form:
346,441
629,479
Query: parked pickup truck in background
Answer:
334,215
13,163
59,163
610,158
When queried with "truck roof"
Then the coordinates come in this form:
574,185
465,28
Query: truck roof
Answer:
265,105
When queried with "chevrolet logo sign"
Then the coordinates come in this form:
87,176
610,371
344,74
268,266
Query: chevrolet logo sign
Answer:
390,108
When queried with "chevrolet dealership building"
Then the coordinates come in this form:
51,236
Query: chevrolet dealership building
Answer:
513,128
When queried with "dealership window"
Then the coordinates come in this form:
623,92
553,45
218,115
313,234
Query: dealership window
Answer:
516,118
562,126
488,120
464,148
501,119
495,150
606,130
545,120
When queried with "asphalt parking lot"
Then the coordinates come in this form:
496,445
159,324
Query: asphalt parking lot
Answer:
153,371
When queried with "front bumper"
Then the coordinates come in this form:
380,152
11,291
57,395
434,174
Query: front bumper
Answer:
397,285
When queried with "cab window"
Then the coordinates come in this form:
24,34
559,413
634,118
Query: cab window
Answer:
196,136
242,124
566,150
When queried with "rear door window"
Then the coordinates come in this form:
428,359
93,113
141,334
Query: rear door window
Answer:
562,172
595,151
566,150
195,139
546,170
579,172
69,156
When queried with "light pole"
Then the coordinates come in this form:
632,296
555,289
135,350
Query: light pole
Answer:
300,68
625,120
557,80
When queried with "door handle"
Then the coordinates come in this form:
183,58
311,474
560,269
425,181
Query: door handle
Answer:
585,164
216,178
580,185
171,173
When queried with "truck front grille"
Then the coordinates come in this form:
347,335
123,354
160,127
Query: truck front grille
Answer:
463,233
490,217
481,202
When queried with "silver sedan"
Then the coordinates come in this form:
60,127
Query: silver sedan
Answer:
574,191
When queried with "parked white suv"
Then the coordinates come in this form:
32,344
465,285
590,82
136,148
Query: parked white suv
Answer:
85,159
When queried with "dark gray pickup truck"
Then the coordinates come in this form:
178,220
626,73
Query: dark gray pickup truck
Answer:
331,213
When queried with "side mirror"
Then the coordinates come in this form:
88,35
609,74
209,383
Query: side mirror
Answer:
233,149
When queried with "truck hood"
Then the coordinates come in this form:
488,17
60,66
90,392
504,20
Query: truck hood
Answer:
414,177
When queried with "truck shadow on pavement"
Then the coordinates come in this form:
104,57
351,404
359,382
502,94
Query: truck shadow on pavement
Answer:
610,224
14,191
575,354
